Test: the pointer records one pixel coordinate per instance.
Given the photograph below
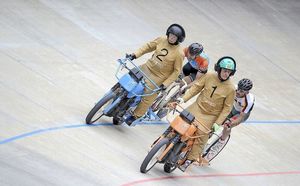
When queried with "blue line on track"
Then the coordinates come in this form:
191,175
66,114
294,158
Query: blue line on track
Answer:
273,122
39,131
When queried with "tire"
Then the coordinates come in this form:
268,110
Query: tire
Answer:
168,167
153,154
96,112
211,152
172,92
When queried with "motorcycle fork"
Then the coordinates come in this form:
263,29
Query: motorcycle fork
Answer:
175,156
170,146
123,107
185,151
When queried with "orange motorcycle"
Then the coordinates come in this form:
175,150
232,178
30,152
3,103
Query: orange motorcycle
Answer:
173,146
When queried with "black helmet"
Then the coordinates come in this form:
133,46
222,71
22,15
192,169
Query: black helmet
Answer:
178,31
245,84
195,49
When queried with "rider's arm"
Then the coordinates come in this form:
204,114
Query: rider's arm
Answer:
245,110
148,47
228,104
177,70
195,89
238,120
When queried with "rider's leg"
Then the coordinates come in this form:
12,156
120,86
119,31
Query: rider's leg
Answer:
141,108
199,75
188,69
186,80
144,105
198,145
146,101
196,148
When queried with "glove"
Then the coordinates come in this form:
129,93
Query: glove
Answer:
173,105
163,87
216,127
179,100
131,56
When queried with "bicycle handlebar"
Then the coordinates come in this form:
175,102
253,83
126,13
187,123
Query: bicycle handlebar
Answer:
123,63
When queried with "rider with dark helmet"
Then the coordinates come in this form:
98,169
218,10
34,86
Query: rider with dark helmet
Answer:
195,49
197,63
178,31
163,67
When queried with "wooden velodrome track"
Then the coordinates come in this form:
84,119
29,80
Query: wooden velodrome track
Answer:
57,58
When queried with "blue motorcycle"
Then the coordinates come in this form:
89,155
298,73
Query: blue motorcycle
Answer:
121,100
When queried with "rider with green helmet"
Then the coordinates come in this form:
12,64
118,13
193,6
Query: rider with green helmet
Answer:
212,105
227,63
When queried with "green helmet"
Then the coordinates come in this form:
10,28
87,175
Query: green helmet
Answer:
226,62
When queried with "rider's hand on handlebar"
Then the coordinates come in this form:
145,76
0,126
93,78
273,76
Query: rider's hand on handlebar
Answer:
173,105
216,127
227,123
179,100
131,56
163,87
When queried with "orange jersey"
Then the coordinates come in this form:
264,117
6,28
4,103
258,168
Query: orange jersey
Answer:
201,60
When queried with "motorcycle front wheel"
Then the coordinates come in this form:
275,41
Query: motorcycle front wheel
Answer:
97,111
152,157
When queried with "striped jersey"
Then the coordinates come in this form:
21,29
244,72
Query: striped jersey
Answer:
244,104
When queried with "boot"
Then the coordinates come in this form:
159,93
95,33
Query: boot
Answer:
186,164
130,119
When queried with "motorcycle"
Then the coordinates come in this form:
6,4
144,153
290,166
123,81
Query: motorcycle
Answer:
173,146
121,100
